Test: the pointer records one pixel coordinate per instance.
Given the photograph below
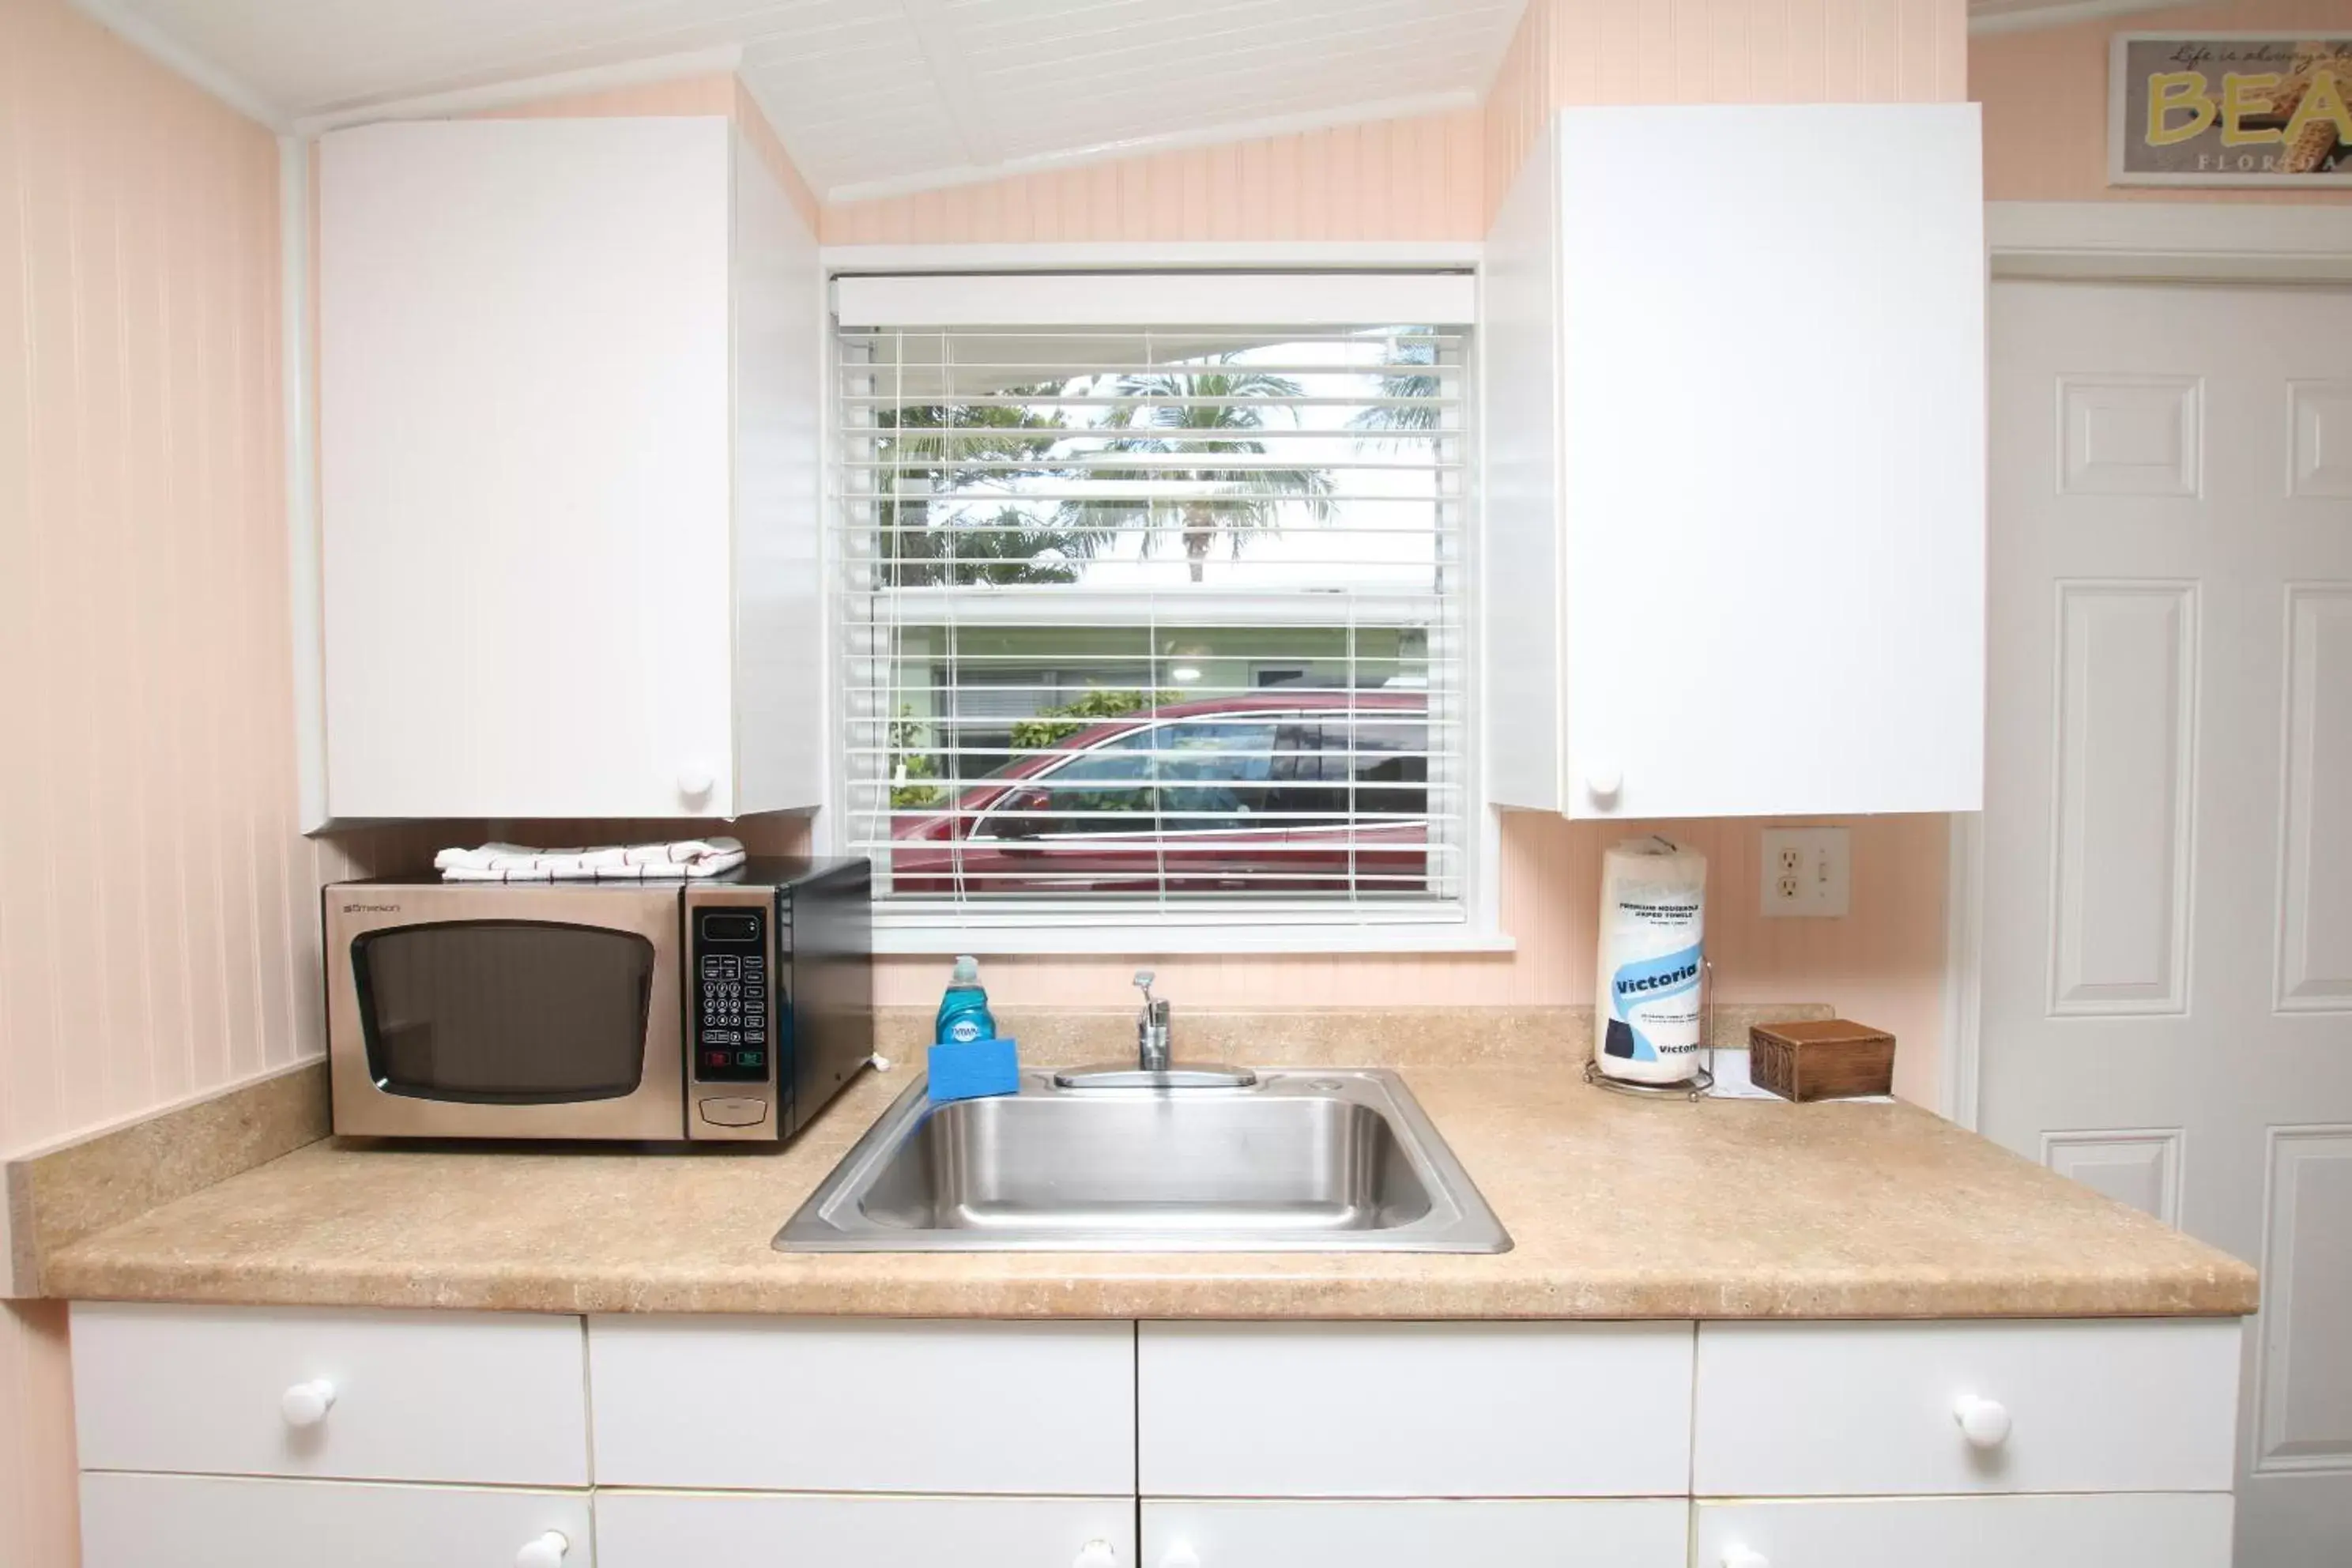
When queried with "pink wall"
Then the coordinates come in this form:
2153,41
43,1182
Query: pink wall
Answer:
158,910
2045,101
1719,51
1416,178
1882,964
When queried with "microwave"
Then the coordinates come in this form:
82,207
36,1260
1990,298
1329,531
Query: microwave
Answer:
729,1008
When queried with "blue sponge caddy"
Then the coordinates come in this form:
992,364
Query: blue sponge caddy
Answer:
975,1069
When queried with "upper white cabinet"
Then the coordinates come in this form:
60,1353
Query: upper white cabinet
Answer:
569,401
1736,456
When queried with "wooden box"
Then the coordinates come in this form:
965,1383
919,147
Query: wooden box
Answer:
1833,1058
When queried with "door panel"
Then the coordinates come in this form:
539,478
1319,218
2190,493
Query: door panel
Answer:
2167,835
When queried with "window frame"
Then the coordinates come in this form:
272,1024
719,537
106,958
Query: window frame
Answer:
1259,925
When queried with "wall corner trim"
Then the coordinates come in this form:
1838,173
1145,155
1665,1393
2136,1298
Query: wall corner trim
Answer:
125,23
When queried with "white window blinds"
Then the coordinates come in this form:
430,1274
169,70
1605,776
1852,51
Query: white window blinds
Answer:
1152,618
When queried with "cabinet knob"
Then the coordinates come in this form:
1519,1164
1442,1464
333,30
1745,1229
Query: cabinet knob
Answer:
548,1552
1740,1557
307,1403
694,781
1180,1555
1983,1422
1602,781
1096,1554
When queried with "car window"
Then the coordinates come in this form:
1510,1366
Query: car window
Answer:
1105,789
1309,789
1214,773
1391,766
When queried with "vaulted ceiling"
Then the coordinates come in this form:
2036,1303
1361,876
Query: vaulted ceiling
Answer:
873,93
877,95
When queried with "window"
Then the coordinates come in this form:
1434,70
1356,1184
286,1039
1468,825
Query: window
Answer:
1152,621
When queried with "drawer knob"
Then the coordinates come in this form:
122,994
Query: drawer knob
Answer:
1180,1555
307,1403
694,781
1096,1554
548,1552
1740,1557
1602,781
1983,1422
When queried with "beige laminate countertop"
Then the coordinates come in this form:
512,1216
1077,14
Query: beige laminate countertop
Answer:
1618,1209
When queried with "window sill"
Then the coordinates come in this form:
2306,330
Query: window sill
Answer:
1147,935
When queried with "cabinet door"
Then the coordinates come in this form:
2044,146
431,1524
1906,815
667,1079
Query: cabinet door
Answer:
864,1405
490,1398
1772,459
525,467
1618,1534
753,1530
132,1521
1415,1409
1841,1409
2145,1530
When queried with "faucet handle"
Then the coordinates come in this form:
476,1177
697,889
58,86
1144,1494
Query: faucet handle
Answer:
1143,979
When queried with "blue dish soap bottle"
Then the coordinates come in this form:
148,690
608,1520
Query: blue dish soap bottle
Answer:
963,1015
967,1061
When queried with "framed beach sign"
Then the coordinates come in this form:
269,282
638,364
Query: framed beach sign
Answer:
2229,108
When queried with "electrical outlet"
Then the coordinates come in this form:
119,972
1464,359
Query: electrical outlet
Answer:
1807,871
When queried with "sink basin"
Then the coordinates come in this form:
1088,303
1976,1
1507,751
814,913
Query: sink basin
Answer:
1299,1161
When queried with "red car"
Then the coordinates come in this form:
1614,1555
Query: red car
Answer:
1272,792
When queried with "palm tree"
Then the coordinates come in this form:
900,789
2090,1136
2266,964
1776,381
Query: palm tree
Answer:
1403,379
937,451
1193,409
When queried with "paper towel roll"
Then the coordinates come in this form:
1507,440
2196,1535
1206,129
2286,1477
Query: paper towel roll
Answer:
1646,1013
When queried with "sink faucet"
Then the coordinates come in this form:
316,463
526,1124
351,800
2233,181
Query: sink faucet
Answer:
1153,1033
1153,1067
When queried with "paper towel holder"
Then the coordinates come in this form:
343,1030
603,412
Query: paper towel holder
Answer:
1701,1083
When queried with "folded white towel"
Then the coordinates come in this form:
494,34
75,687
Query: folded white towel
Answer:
688,858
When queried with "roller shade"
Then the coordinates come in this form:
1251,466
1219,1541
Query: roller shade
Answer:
1165,299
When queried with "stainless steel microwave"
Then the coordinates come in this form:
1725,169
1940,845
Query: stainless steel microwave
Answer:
727,1008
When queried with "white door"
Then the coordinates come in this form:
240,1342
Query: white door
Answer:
2168,832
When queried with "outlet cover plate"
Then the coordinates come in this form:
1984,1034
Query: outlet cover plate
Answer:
1806,871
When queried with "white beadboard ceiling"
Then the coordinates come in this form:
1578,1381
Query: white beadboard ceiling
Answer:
875,95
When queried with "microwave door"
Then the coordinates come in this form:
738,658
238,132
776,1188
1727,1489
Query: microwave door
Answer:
504,1011
557,1018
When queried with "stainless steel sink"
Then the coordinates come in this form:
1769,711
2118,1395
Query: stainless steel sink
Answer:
1297,1161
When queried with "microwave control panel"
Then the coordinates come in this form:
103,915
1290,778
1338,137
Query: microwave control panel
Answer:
732,992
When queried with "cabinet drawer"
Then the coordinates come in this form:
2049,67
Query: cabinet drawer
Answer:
842,1404
2147,1529
1615,1534
750,1529
1825,1409
1415,1409
496,1398
226,1522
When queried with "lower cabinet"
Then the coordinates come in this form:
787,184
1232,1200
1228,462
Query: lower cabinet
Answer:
746,1529
132,1521
1643,1532
2145,1530
228,1438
